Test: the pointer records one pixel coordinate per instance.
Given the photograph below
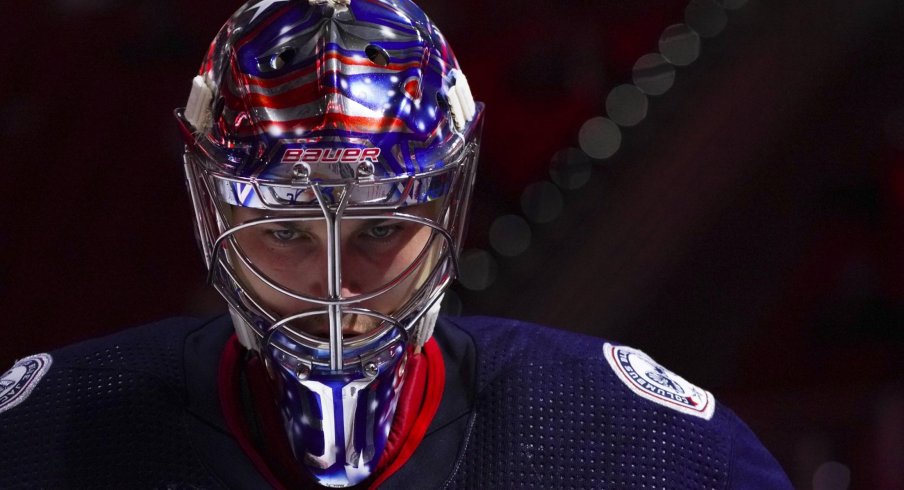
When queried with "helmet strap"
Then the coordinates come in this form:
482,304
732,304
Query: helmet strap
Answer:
243,331
426,324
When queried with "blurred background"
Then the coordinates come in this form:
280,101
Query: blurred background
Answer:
719,183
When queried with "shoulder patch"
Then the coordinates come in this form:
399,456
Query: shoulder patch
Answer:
17,383
647,378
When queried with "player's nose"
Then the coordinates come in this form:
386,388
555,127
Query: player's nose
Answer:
349,286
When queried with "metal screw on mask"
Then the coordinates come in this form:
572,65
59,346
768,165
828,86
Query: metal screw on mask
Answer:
301,172
302,372
365,170
370,369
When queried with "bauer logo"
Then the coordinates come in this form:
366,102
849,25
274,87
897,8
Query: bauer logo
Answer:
17,383
648,379
330,155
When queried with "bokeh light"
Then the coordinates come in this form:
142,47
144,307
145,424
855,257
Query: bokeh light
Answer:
831,475
542,202
626,105
477,269
570,168
653,74
679,44
599,137
510,235
706,17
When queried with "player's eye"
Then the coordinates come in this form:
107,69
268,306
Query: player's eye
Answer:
383,230
285,234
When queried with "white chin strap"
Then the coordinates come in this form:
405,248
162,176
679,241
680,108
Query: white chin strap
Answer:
243,331
421,332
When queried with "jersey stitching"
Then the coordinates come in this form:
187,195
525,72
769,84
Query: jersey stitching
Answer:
464,449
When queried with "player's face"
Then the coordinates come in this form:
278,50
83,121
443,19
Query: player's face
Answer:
373,252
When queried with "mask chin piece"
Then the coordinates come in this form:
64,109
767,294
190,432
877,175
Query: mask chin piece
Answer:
338,423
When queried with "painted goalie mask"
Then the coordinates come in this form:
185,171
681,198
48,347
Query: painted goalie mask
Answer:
331,148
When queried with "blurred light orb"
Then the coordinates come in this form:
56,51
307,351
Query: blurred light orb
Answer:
542,202
831,475
510,235
477,269
679,44
626,105
732,4
706,17
653,74
570,168
451,304
599,137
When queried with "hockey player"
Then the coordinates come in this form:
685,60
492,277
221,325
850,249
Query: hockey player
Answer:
330,150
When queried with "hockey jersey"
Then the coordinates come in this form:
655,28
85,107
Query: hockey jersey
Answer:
523,406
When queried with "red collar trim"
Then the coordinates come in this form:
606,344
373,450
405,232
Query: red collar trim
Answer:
435,384
231,405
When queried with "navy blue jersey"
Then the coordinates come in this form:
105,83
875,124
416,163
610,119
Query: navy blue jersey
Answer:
523,406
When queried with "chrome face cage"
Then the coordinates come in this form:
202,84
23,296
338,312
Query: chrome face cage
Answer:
212,191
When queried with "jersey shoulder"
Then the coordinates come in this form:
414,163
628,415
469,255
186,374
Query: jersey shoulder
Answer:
506,347
562,397
154,350
107,407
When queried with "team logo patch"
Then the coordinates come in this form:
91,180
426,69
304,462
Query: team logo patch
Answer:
17,383
647,378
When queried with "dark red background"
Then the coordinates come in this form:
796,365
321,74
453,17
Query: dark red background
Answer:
748,233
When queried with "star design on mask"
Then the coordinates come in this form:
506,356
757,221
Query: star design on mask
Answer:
260,7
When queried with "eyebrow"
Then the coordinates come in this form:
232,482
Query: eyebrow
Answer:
375,222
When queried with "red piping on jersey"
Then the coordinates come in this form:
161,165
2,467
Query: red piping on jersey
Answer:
435,383
231,405
409,405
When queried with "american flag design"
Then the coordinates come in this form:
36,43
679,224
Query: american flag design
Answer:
299,75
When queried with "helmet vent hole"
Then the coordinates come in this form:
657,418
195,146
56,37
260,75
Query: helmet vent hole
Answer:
282,58
276,61
377,55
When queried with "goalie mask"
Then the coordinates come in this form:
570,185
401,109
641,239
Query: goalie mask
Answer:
331,148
